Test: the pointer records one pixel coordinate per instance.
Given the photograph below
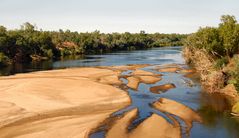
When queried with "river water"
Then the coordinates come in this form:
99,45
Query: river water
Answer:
213,109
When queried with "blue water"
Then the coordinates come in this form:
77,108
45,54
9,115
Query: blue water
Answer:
151,56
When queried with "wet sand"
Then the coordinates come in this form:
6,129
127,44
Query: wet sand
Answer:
153,127
183,112
170,69
156,126
141,76
162,88
59,103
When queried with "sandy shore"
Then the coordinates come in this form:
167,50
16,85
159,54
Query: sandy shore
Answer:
59,103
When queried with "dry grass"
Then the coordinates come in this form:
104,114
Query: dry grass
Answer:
211,79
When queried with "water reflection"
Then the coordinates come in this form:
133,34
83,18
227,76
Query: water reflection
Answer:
217,121
150,56
24,68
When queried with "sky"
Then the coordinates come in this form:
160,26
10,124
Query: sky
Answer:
163,16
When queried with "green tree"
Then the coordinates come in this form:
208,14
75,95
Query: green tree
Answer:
28,43
3,38
228,32
28,27
3,59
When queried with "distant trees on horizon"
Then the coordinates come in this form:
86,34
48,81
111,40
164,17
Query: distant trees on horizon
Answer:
27,43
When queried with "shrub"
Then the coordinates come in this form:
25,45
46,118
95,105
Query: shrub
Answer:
235,108
220,63
49,53
4,60
217,41
234,72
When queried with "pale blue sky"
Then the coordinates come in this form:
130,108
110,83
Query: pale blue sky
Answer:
165,16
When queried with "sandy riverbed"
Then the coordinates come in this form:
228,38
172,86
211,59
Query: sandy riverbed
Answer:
73,102
59,103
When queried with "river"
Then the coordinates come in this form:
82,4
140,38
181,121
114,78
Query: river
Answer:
213,109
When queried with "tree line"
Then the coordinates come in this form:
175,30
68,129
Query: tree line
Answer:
27,43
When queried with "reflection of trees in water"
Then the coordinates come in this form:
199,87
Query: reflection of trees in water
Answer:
23,68
215,107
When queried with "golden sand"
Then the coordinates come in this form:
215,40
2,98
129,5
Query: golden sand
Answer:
162,88
59,103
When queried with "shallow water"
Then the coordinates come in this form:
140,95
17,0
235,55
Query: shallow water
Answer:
213,109
151,56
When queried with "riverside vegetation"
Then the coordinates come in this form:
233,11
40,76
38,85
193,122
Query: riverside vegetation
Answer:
29,44
214,51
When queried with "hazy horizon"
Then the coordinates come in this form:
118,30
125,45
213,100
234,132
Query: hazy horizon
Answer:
171,16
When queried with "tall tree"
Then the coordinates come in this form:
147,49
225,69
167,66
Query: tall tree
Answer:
228,31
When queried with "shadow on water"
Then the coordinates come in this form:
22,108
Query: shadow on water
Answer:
215,111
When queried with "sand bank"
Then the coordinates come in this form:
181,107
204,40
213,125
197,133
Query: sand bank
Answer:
162,88
59,103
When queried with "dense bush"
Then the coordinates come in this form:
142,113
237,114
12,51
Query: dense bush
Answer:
220,63
220,41
28,43
234,72
3,60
